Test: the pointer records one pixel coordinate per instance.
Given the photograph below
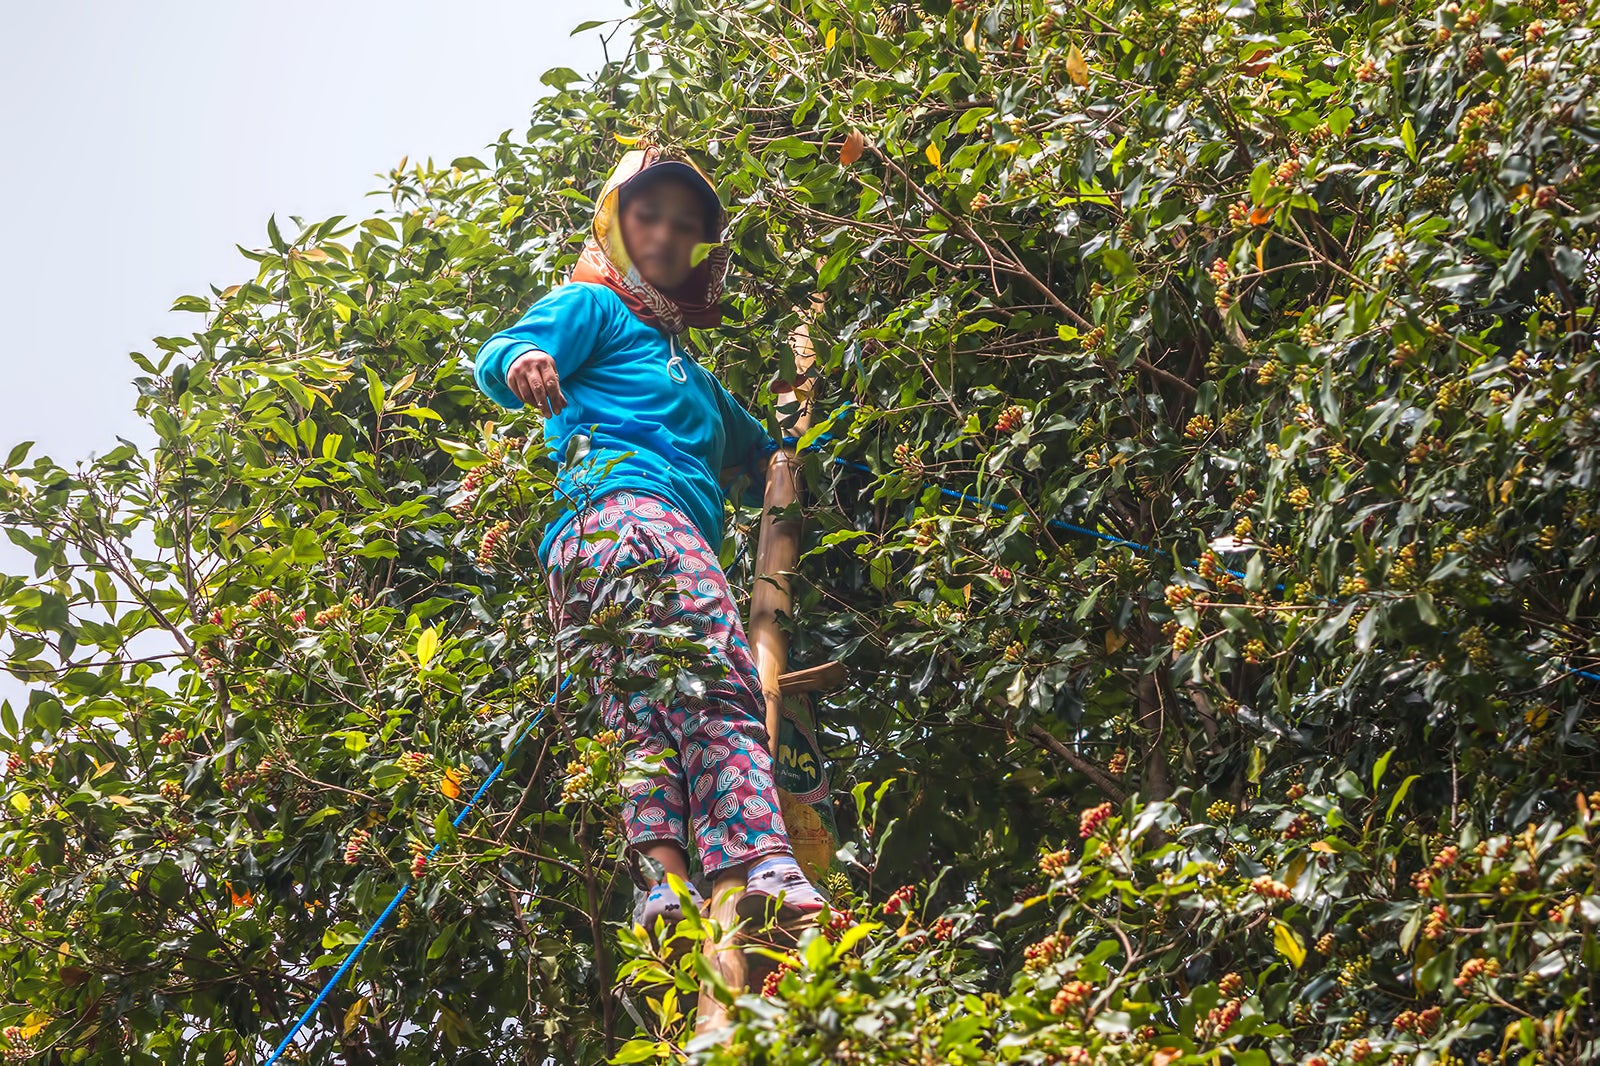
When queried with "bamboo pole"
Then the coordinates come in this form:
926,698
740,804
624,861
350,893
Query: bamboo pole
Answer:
777,551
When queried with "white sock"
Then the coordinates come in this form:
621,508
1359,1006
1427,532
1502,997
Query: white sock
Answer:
662,888
781,874
661,899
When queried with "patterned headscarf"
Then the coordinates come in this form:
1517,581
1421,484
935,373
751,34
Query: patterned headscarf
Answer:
605,260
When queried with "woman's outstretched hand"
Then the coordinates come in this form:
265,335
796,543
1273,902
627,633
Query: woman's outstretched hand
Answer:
534,380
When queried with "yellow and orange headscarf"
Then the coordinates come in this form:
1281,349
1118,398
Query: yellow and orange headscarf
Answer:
605,260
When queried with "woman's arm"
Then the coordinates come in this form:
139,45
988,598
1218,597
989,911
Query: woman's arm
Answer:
747,448
557,334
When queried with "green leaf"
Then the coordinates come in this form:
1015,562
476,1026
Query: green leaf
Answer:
882,52
386,776
880,570
970,118
318,816
560,77
307,546
375,389
378,549
166,426
854,935
1017,691
1119,262
1260,179
1426,610
444,829
639,1049
254,455
810,435
441,943
1400,794
1380,766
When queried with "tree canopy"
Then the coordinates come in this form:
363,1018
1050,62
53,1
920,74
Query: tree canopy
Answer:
1203,499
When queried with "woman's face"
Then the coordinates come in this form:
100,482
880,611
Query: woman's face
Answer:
660,227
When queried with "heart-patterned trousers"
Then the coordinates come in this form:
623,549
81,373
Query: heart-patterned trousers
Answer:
651,560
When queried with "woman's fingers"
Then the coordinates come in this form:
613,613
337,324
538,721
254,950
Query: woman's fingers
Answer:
517,378
533,379
530,390
517,381
553,398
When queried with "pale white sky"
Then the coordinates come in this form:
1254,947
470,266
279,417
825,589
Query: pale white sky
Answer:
142,141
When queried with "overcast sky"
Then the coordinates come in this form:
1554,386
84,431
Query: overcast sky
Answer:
142,141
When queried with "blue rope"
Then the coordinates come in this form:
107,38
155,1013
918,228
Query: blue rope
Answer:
1055,523
355,953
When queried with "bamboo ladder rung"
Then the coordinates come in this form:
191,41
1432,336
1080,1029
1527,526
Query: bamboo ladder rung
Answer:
812,679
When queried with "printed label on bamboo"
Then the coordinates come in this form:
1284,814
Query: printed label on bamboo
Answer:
799,764
803,795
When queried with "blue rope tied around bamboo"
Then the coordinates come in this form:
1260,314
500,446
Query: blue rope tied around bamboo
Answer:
355,953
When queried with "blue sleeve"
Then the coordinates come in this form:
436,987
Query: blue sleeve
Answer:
567,322
746,443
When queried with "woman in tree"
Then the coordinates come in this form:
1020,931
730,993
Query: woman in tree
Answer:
649,440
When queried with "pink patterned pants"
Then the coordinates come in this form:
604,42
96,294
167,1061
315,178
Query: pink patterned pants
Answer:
719,781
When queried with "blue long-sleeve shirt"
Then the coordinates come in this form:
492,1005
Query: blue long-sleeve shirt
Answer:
631,388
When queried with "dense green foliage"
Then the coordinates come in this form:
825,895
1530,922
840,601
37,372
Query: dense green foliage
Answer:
1298,300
